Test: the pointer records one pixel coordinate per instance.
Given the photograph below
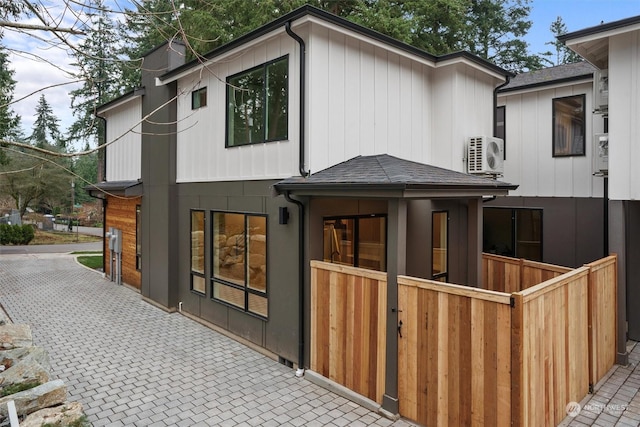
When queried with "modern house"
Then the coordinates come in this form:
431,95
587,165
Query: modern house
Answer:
577,195
310,138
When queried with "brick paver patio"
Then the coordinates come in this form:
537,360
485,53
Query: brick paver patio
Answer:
132,364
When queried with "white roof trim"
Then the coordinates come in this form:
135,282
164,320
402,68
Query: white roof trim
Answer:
602,35
542,87
134,97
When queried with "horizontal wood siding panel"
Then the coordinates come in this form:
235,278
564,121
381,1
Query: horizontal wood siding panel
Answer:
121,213
348,327
454,354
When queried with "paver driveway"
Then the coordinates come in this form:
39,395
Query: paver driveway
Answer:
130,363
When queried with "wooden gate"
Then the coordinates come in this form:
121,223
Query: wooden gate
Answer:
454,354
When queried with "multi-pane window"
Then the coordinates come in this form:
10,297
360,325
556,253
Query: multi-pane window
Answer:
569,126
513,232
356,241
240,261
199,98
439,246
138,239
197,252
257,104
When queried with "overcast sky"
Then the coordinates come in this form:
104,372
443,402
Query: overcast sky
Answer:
32,76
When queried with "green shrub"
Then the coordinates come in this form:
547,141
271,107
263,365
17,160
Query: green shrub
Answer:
16,234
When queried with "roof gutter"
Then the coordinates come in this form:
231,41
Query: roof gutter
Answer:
287,27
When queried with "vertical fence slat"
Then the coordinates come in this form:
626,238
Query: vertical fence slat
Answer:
348,327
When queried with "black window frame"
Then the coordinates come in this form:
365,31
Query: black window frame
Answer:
245,287
501,127
442,276
514,231
575,122
199,98
356,232
193,272
230,88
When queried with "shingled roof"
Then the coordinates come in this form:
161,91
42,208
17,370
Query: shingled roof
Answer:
551,75
385,175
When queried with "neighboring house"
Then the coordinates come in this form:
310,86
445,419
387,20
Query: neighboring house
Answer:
311,138
577,200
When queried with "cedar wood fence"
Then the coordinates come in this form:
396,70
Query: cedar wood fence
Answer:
515,353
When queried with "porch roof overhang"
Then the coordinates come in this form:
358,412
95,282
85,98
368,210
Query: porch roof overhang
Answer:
385,176
132,188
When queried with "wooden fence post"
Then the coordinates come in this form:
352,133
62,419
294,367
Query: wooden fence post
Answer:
517,347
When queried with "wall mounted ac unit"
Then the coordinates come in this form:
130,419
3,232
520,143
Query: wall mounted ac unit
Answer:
601,91
601,154
485,155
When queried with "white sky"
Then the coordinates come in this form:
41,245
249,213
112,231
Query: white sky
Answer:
33,75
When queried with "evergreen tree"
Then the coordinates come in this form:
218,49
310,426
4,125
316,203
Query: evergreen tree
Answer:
97,59
9,121
86,167
495,31
563,55
46,131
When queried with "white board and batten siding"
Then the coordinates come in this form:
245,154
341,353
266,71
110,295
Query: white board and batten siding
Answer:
529,145
362,99
624,116
201,153
124,153
367,100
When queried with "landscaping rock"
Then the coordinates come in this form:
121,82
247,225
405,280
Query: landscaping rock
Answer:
39,355
63,415
15,336
43,396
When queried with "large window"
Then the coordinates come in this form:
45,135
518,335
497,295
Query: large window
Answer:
356,241
569,126
240,261
257,109
197,252
513,232
439,246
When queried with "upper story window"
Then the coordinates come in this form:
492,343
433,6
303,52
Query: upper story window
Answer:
199,98
569,126
257,104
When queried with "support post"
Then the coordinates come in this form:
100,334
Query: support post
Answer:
396,265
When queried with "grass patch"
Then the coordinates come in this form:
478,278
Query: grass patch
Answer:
86,253
91,261
60,237
16,388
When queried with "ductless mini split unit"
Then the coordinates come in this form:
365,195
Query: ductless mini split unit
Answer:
485,155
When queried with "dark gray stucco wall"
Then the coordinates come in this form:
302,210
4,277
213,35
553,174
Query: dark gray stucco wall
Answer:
572,228
632,263
159,213
279,333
